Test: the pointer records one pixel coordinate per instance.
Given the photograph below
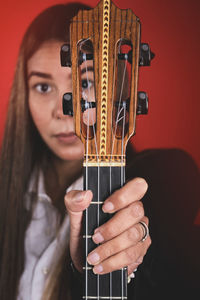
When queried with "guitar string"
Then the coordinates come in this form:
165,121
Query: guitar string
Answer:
113,93
122,183
117,123
118,111
121,173
96,149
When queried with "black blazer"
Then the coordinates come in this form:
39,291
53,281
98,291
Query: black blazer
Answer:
171,267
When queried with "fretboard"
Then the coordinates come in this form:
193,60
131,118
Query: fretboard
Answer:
103,181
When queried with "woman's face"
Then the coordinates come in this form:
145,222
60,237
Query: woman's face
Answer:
47,82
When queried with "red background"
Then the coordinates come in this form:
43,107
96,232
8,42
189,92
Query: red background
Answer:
172,28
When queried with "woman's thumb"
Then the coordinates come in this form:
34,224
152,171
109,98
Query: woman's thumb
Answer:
76,202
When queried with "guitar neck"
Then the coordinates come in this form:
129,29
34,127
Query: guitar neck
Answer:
102,181
105,53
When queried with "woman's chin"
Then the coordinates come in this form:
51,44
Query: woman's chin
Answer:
71,154
68,151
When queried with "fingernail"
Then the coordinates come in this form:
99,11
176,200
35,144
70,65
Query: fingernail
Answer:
97,238
98,269
139,180
108,206
80,196
93,258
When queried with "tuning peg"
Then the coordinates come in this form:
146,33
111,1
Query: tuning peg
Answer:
142,103
145,55
87,105
67,104
65,56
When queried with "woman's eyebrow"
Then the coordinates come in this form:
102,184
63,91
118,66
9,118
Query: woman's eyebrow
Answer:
40,74
87,69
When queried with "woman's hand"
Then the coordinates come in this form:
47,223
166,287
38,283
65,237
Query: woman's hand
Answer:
120,237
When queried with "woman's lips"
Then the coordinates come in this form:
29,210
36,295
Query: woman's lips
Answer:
66,137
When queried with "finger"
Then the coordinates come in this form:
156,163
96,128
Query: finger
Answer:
76,202
120,222
134,190
123,258
133,267
125,240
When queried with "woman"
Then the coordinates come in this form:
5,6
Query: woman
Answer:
41,157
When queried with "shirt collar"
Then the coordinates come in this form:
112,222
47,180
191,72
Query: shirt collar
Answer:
41,192
76,185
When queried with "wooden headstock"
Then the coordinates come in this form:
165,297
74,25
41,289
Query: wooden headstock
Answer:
99,39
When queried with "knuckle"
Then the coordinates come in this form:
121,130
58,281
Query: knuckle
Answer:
109,265
105,251
121,199
107,231
140,260
133,234
146,220
147,245
112,265
131,255
149,242
137,209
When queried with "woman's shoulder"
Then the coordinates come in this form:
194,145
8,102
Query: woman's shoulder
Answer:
168,158
171,203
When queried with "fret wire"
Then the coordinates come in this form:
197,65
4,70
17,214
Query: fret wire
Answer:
87,268
105,164
104,297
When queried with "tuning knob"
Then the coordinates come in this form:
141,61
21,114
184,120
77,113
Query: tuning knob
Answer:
65,56
142,103
67,104
145,55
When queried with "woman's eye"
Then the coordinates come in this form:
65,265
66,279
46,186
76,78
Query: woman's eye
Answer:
43,88
86,84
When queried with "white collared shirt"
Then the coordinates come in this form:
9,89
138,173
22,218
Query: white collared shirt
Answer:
44,240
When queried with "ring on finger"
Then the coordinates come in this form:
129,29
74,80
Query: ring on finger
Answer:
145,231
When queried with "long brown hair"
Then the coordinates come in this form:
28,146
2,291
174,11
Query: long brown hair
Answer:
22,147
